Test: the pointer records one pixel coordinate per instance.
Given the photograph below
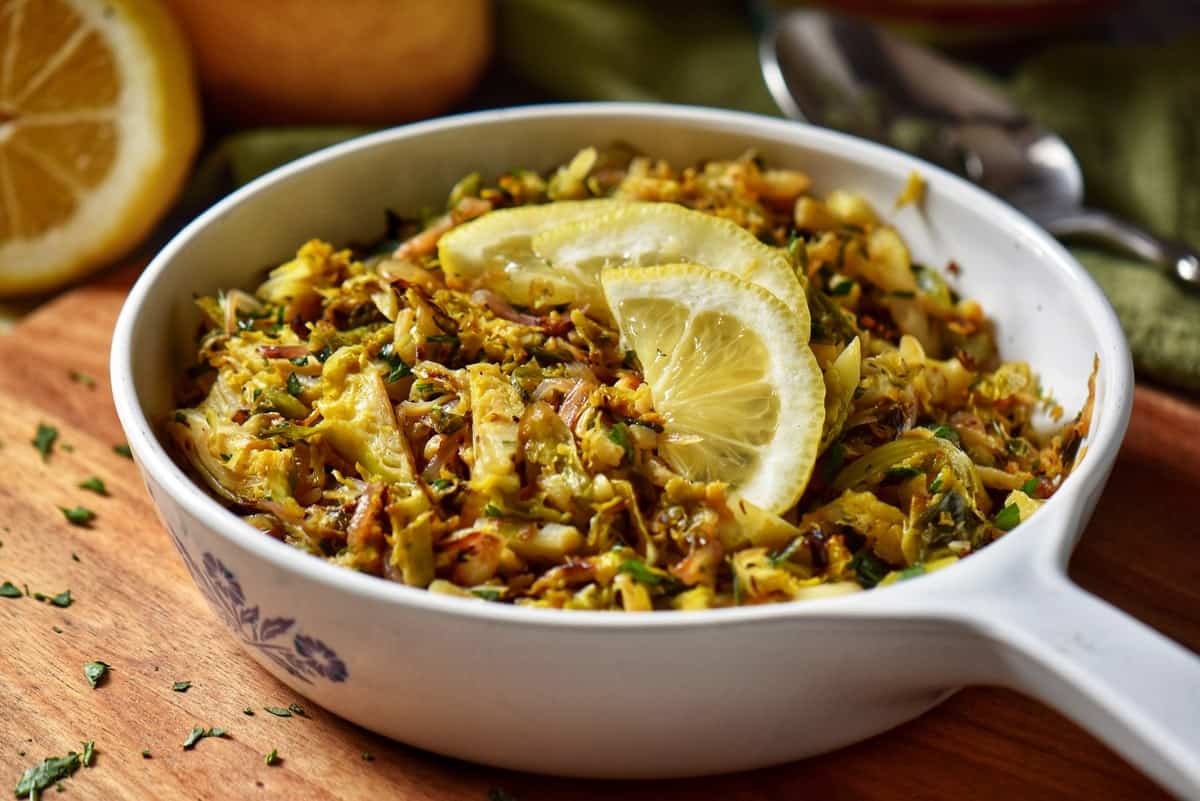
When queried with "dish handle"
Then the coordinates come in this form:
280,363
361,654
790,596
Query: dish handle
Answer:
1131,687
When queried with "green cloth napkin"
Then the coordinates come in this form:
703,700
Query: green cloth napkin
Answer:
1132,116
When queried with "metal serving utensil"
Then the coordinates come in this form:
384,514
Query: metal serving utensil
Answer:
845,73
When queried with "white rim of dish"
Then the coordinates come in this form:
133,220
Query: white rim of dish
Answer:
1103,441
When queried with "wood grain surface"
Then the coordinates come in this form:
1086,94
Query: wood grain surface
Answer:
136,609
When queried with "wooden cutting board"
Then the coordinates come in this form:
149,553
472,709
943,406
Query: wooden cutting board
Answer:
136,609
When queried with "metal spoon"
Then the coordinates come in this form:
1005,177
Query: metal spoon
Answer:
848,74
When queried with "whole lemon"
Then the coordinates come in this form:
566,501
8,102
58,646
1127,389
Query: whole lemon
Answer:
360,61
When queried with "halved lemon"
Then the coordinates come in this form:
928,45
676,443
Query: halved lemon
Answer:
645,234
98,124
729,368
494,251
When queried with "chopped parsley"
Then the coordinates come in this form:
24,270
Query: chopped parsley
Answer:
293,385
89,752
945,432
44,440
441,483
78,516
619,434
911,572
487,595
181,686
95,672
299,361
398,368
123,450
198,733
94,484
1007,518
901,473
644,574
146,753
9,590
46,773
1030,486
272,758
935,486
248,711
296,709
869,568
278,711
62,600
82,378
492,510
842,287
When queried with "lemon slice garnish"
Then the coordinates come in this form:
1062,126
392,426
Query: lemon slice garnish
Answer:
645,234
731,372
98,124
494,251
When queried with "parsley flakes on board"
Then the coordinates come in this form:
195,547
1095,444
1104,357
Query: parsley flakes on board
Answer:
78,516
95,672
94,484
44,440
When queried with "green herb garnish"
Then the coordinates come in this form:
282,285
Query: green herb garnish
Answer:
123,450
945,432
299,361
62,600
1030,487
248,711
82,378
48,772
911,572
842,288
619,434
492,510
935,486
198,733
446,339
293,385
95,672
146,753
181,686
9,590
44,440
1007,518
94,484
441,483
78,516
487,595
278,711
644,574
296,709
89,752
273,757
869,568
901,473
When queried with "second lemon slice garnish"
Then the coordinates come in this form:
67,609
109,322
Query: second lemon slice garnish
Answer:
494,252
730,370
644,234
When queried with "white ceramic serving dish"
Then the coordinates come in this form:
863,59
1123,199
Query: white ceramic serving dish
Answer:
668,694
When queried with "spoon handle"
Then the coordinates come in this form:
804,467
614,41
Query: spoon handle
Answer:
1182,261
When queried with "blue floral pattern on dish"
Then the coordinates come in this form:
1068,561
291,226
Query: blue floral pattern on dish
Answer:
277,638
